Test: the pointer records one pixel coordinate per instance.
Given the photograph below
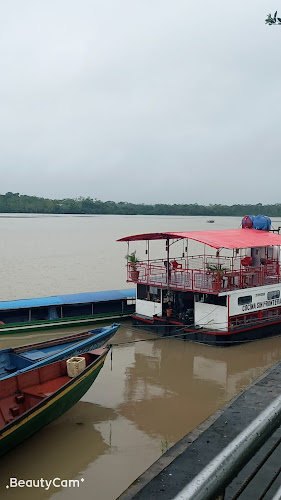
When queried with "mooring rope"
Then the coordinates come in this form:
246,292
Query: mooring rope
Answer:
183,334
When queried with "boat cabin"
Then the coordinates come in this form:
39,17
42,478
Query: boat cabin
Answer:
64,310
219,280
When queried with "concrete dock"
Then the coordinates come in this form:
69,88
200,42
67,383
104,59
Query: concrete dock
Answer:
181,463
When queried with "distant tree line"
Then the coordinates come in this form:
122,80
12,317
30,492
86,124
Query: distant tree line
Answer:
16,203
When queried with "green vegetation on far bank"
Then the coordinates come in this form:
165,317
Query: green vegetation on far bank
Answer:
16,203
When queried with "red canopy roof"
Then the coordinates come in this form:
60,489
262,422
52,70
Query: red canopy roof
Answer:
228,238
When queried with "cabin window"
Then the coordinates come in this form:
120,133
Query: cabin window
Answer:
151,293
106,307
15,316
70,311
210,299
141,292
39,313
273,295
54,312
247,299
154,294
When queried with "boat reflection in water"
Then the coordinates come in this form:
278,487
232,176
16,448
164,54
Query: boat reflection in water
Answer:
63,449
173,386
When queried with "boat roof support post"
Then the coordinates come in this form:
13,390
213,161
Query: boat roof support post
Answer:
127,263
204,257
168,263
147,252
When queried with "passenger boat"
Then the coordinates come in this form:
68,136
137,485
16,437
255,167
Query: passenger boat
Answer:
31,400
226,293
64,310
28,357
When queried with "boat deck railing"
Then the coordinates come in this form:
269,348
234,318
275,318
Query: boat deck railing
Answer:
203,274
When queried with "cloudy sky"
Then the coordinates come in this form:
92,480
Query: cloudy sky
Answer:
152,101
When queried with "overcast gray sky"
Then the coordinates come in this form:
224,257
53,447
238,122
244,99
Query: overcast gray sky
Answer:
153,101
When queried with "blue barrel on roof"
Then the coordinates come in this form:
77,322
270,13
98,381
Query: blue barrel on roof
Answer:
262,223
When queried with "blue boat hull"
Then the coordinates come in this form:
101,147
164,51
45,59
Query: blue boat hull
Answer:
25,358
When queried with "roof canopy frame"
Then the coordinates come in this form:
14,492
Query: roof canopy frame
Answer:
228,239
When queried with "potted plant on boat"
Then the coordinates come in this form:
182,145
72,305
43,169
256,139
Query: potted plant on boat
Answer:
169,310
217,273
133,265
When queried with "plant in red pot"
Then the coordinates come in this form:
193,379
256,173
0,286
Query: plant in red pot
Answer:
133,266
169,310
217,273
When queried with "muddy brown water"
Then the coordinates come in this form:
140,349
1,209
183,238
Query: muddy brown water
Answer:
145,400
154,391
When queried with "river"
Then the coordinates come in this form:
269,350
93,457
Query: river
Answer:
151,394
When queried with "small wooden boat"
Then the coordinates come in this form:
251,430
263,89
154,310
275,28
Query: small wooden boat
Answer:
29,401
25,358
210,221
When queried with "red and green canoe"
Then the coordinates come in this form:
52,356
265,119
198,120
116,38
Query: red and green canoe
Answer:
31,400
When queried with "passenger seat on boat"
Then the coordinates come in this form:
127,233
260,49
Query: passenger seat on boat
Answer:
247,261
248,272
176,265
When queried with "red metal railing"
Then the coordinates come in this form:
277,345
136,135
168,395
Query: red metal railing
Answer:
203,280
262,316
